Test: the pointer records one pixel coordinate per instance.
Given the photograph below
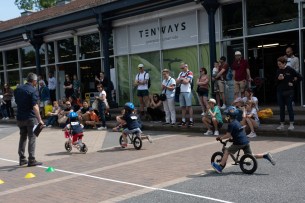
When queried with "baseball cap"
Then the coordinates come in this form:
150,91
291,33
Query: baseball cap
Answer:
237,53
140,65
212,100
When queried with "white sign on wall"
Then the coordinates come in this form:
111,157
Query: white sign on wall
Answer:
172,32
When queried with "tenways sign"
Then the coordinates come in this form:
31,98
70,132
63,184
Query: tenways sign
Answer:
166,29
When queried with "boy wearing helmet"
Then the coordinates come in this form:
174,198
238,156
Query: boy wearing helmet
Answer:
236,132
75,128
130,123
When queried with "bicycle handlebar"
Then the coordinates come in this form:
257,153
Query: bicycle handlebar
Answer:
225,142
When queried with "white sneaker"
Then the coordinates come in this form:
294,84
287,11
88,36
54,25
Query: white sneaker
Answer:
291,127
251,135
223,106
49,126
7,118
3,118
149,138
203,114
281,127
209,132
216,133
102,128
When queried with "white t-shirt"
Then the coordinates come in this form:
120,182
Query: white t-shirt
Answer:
254,99
168,83
140,77
254,113
186,87
52,83
103,93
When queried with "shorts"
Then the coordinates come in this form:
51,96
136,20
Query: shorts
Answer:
127,131
239,86
234,148
185,99
219,124
142,93
203,93
77,137
221,85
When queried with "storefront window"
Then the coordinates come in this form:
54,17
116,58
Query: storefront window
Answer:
65,69
28,56
51,53
173,58
66,50
89,46
1,80
12,59
272,15
1,61
151,63
13,78
42,56
89,69
124,80
205,56
232,20
25,72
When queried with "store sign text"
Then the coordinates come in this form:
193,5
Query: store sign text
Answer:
167,29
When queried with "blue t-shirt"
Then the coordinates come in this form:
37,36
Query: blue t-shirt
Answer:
239,116
237,132
131,121
26,97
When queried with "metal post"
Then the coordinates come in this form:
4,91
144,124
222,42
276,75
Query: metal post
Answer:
211,6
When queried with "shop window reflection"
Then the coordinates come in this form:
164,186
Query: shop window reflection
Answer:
66,50
12,59
89,46
232,20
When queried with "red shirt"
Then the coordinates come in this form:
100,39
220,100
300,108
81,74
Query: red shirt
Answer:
240,69
224,74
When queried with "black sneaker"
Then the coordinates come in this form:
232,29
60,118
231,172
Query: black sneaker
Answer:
34,163
173,124
23,162
181,124
191,123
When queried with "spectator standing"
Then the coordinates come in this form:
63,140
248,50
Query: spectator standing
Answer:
8,93
220,78
27,115
203,89
76,86
52,87
44,96
141,82
68,86
3,109
292,60
286,78
102,105
185,98
168,88
241,74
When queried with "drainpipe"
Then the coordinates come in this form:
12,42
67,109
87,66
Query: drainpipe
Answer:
105,29
211,6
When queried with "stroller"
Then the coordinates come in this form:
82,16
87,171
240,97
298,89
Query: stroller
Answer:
74,139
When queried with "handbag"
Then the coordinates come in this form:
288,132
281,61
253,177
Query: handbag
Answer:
62,119
162,97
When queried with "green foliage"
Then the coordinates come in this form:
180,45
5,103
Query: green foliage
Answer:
34,4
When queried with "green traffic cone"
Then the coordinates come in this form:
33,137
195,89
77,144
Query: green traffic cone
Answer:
50,170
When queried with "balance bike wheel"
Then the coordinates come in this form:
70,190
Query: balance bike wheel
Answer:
248,164
137,143
216,157
121,140
68,146
84,148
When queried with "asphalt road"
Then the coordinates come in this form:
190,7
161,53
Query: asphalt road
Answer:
284,182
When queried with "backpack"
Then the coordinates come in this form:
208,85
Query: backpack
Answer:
229,75
148,83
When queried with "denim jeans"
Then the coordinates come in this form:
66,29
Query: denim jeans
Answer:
101,110
3,111
283,100
51,120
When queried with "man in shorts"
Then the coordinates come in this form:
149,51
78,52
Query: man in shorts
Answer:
241,74
141,82
185,98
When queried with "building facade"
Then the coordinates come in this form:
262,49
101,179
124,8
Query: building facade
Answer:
158,34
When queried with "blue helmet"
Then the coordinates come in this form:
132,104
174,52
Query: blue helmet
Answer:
129,106
73,115
231,111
